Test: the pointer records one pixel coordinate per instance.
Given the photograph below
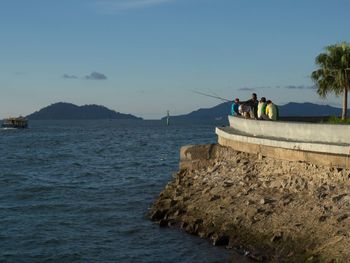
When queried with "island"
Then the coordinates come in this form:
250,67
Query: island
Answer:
69,111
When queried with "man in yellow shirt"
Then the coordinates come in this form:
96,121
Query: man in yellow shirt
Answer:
271,111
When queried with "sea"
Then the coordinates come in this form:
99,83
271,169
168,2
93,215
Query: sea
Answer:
79,191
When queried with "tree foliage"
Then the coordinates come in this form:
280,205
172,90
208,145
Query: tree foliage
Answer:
333,73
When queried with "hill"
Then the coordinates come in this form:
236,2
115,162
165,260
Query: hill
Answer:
69,111
290,109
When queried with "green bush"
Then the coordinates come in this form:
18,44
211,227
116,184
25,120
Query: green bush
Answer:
337,120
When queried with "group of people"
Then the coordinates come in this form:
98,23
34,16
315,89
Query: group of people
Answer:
254,109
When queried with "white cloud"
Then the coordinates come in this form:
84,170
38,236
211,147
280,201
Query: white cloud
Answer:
118,5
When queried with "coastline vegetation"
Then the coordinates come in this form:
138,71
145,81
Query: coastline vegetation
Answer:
337,120
333,74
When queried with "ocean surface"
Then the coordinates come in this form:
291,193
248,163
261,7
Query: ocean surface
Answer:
79,191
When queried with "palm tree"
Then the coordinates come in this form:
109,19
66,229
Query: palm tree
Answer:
333,74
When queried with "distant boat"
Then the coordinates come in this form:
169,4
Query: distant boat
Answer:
16,123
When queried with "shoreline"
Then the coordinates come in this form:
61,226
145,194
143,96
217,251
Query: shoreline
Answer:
271,210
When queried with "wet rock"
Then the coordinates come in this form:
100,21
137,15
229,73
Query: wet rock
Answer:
256,257
172,223
163,223
220,240
158,215
183,225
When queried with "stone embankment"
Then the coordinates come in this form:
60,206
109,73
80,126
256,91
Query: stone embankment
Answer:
271,210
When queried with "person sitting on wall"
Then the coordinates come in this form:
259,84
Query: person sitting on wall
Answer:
245,110
253,104
262,109
234,108
271,111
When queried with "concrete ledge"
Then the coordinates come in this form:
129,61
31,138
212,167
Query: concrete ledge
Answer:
294,131
233,134
321,154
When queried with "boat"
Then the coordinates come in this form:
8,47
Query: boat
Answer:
15,123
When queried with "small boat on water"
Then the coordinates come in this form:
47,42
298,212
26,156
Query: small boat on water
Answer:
15,123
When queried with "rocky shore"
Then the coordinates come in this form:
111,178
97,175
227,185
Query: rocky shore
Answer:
270,210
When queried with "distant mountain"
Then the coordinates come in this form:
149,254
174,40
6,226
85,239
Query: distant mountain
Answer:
215,113
221,111
68,111
308,109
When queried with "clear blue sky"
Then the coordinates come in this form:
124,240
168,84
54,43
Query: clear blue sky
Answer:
144,56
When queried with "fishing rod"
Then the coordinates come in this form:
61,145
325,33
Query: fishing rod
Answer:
212,96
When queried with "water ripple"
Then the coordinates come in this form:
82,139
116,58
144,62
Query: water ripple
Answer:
79,191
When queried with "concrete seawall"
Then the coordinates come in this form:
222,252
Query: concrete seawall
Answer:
294,131
289,141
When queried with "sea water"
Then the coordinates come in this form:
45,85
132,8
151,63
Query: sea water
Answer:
79,191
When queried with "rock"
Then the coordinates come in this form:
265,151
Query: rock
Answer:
215,197
163,223
166,203
321,192
322,218
345,201
228,184
276,237
337,198
276,184
183,225
266,200
249,202
172,223
206,190
252,201
287,200
158,215
190,228
220,240
213,169
342,217
256,257
260,210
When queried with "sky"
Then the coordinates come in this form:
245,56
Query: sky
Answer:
148,56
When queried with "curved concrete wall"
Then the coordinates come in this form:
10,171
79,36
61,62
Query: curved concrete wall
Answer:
295,131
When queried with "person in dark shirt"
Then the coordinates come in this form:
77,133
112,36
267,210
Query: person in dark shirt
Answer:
253,104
